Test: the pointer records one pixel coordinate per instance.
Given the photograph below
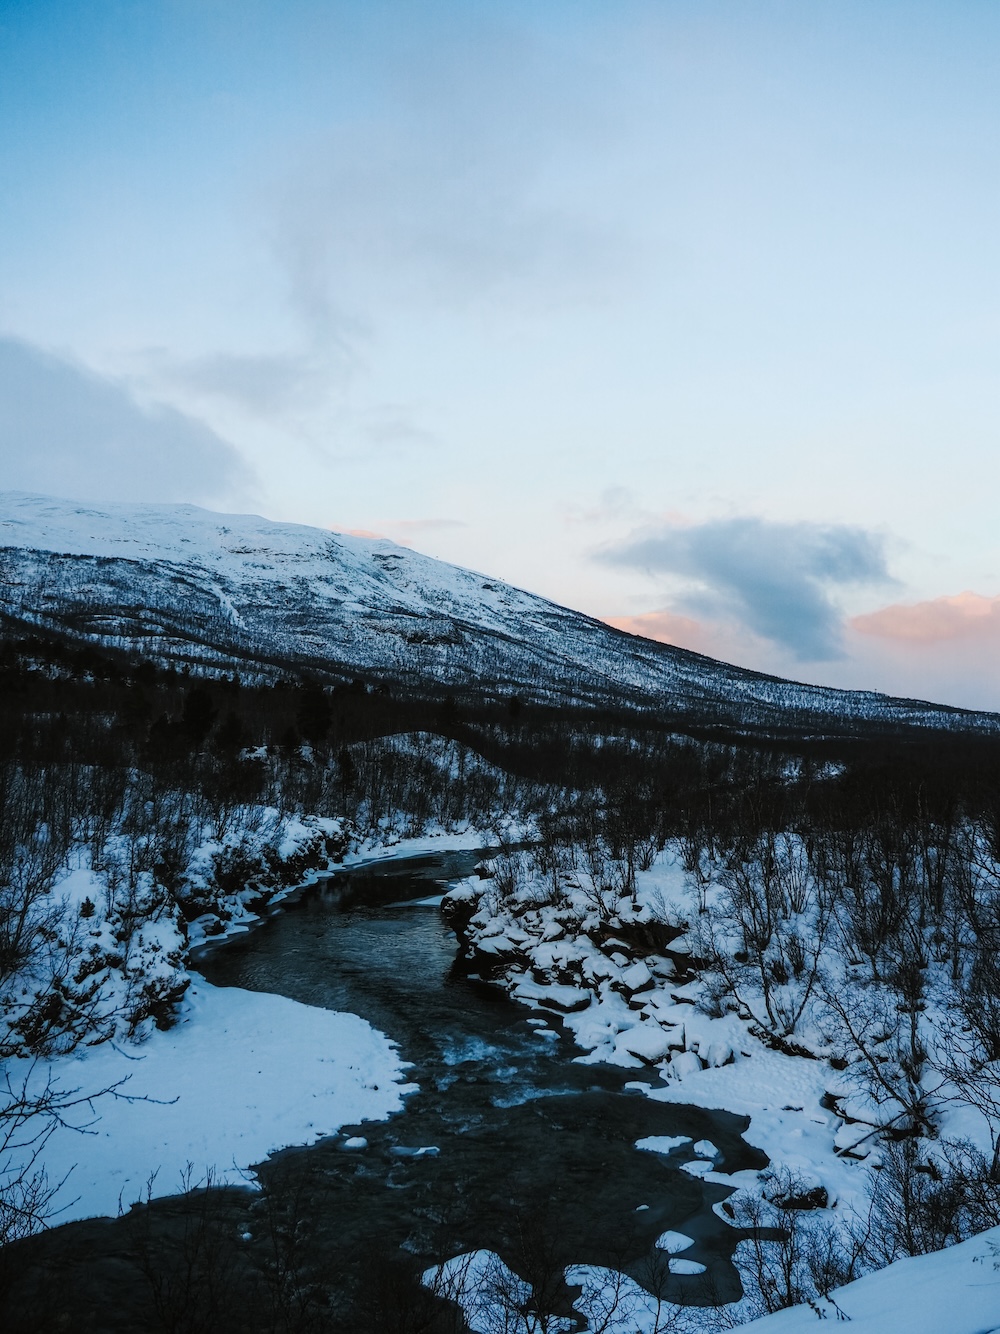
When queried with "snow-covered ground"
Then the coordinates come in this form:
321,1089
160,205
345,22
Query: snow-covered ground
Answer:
955,1291
615,970
241,1075
569,954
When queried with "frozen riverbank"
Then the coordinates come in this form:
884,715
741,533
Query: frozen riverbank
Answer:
240,1075
654,971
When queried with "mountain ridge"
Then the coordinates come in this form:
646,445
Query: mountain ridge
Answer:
239,592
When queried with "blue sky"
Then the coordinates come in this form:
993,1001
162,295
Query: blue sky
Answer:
684,314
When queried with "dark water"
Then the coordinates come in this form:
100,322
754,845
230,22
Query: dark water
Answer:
532,1152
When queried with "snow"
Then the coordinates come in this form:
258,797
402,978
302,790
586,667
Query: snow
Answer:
686,1267
647,1041
552,996
241,1075
955,1291
673,1242
699,1168
490,1295
662,1143
615,1304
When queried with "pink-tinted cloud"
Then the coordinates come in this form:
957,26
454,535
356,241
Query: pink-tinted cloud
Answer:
883,653
964,616
666,626
729,642
403,531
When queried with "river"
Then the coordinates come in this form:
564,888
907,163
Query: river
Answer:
509,1145
516,1135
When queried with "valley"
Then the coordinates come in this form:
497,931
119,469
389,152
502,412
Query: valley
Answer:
471,966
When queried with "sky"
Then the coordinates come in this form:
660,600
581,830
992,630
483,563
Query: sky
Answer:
680,312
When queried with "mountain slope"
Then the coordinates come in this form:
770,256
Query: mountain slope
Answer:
240,592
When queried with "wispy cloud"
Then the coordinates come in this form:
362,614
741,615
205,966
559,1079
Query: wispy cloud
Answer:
424,525
65,429
394,430
261,385
457,186
776,579
406,531
615,504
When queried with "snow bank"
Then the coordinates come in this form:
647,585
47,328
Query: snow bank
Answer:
956,1291
242,1074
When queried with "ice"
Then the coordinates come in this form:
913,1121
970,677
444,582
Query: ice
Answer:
685,1266
698,1168
673,1242
663,1143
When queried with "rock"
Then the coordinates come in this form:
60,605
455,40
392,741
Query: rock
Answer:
648,1042
637,977
684,1063
717,1054
802,1194
566,1000
597,969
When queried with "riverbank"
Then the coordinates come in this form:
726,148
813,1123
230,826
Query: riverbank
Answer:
235,1076
506,1137
239,1076
626,969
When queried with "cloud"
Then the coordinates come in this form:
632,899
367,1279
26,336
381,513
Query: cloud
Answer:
774,578
668,627
425,525
465,178
614,504
962,616
395,430
66,430
261,385
405,531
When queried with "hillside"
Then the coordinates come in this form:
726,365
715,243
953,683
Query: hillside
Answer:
238,592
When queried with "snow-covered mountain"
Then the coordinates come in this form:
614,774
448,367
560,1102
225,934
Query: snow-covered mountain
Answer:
176,582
